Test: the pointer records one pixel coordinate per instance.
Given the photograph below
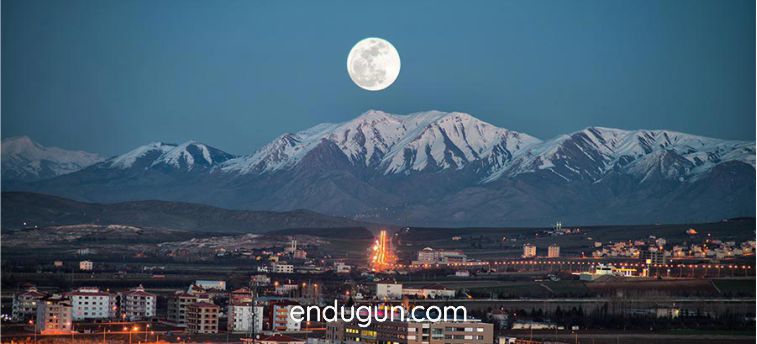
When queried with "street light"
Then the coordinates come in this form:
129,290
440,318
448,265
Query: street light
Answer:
31,322
134,329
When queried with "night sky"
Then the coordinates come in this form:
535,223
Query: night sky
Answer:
107,76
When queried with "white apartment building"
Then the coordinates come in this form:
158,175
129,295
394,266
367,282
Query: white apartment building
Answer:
91,303
136,304
241,318
281,268
279,316
25,303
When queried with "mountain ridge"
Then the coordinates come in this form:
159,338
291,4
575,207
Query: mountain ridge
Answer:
440,168
24,160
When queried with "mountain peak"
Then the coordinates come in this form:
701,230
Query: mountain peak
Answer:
23,159
393,143
181,156
372,115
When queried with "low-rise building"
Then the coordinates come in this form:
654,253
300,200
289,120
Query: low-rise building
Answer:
342,268
282,268
390,291
462,273
432,291
287,289
260,280
86,265
202,318
464,332
553,251
529,251
429,255
240,295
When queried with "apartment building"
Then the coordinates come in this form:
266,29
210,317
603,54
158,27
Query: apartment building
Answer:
242,316
177,306
278,316
91,303
54,316
202,317
136,304
25,303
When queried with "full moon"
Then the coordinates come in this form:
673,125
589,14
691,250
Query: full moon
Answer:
373,64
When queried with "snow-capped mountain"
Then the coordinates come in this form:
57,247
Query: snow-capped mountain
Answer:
186,156
24,160
434,140
593,152
393,144
439,168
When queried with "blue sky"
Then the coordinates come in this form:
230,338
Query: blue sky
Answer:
107,76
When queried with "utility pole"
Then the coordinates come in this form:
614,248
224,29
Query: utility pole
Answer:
252,312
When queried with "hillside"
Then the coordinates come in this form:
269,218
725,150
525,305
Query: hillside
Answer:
27,210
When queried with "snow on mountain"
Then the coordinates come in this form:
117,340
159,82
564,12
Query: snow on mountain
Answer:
151,151
430,141
191,154
453,140
185,156
393,143
590,153
437,167
26,160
